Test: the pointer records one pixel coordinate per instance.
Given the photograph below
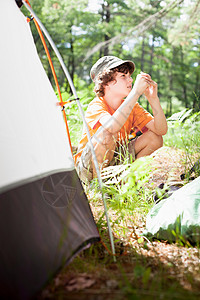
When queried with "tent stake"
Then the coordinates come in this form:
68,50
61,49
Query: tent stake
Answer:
82,115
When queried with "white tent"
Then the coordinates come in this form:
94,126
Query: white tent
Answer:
45,217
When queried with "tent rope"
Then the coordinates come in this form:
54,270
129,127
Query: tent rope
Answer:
66,102
25,2
61,103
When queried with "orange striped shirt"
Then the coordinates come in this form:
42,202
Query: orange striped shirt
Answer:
98,108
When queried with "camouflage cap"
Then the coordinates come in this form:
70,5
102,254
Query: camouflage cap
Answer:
108,62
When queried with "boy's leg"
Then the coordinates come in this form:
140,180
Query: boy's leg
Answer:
104,145
147,143
124,152
131,150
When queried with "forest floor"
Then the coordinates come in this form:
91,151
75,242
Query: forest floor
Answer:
143,269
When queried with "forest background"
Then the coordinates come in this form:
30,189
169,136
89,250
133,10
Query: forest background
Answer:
161,37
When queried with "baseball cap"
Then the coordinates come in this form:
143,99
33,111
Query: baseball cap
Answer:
108,62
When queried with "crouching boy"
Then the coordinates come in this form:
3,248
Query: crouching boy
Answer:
111,117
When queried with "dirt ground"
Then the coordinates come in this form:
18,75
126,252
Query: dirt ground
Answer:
143,269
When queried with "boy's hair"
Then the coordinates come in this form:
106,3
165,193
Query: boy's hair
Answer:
109,75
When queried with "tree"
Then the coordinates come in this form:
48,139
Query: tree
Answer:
154,34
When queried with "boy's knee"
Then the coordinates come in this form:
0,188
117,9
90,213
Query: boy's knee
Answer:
156,141
160,141
104,137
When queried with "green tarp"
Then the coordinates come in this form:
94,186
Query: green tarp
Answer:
177,217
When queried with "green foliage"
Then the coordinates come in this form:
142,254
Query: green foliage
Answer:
126,187
169,50
186,29
184,133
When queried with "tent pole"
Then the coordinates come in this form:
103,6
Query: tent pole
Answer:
82,115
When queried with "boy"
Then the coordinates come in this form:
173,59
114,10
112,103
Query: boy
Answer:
111,116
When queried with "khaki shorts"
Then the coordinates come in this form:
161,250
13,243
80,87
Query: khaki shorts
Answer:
84,166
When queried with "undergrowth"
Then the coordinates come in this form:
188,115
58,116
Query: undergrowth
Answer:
127,189
184,133
144,270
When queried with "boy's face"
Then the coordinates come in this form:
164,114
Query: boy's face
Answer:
122,84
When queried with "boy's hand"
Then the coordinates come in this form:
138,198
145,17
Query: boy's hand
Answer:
151,91
142,83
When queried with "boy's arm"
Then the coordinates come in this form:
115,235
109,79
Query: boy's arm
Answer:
115,122
159,124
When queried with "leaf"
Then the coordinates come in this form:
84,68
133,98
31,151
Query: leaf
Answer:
81,282
140,240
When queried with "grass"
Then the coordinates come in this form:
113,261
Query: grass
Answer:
127,186
134,276
184,133
144,269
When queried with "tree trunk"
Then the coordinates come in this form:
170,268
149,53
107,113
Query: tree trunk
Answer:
184,87
107,20
171,78
151,58
171,89
151,64
142,54
105,17
196,96
72,60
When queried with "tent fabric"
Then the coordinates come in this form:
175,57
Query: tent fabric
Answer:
45,218
33,135
177,217
42,225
